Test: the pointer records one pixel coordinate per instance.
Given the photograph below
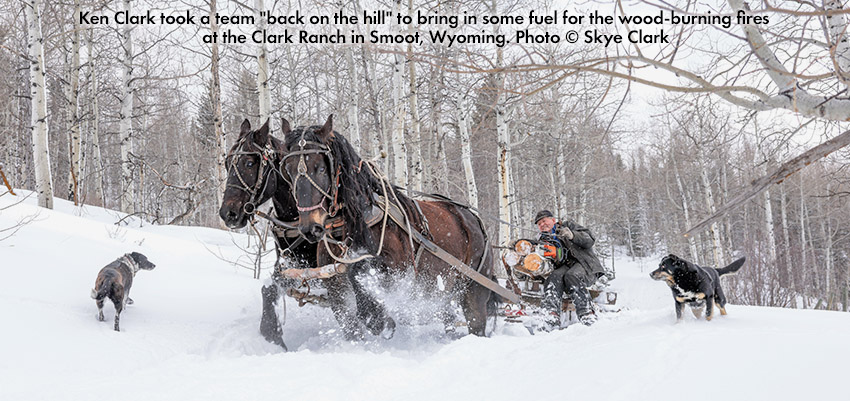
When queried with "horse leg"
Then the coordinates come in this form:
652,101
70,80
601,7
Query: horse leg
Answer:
371,312
446,314
338,294
269,323
475,308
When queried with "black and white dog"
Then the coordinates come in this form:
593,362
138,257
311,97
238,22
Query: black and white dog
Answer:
695,285
114,281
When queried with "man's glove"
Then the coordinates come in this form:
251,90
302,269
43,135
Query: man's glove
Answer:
564,231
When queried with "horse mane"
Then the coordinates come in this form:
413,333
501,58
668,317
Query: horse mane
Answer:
357,183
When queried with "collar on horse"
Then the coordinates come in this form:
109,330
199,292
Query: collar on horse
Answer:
331,193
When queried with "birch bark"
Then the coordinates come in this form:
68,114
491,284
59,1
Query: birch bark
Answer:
38,99
125,126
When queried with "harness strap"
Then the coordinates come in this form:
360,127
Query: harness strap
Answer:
397,216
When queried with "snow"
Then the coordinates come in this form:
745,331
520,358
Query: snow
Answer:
193,334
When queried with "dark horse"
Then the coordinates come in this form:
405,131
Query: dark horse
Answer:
254,177
331,183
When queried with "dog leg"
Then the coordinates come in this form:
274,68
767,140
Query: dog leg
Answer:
697,312
720,299
119,306
709,308
99,303
679,307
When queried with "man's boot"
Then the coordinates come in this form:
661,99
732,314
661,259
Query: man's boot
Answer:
551,321
581,299
588,318
552,306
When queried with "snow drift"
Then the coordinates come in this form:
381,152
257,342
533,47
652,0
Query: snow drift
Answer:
193,334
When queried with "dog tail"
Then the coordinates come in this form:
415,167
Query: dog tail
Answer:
732,267
98,294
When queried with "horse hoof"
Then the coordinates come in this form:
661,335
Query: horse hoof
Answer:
278,341
389,329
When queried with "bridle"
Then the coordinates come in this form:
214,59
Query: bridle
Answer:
330,193
265,153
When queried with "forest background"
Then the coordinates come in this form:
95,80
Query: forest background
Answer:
638,142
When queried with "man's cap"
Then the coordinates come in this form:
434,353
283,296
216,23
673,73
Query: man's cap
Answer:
542,214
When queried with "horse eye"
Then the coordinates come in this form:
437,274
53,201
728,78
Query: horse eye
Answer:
249,164
321,169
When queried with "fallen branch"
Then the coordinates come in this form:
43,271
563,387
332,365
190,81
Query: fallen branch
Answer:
777,176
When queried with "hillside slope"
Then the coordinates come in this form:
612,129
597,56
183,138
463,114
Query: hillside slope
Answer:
192,334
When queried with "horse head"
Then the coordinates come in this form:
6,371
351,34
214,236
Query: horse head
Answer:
313,175
250,175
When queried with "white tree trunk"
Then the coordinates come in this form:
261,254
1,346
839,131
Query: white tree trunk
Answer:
262,68
398,143
504,144
443,175
786,246
466,152
97,161
717,245
353,131
769,231
38,98
562,181
826,235
803,259
416,166
73,96
839,41
504,169
583,190
125,126
692,246
416,181
221,140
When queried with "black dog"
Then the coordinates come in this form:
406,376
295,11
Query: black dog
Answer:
114,281
695,285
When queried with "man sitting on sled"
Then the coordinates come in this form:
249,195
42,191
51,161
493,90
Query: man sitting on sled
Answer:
576,267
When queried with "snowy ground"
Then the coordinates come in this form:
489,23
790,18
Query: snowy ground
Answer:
193,334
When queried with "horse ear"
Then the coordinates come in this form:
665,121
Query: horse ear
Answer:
327,130
245,129
284,126
261,137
